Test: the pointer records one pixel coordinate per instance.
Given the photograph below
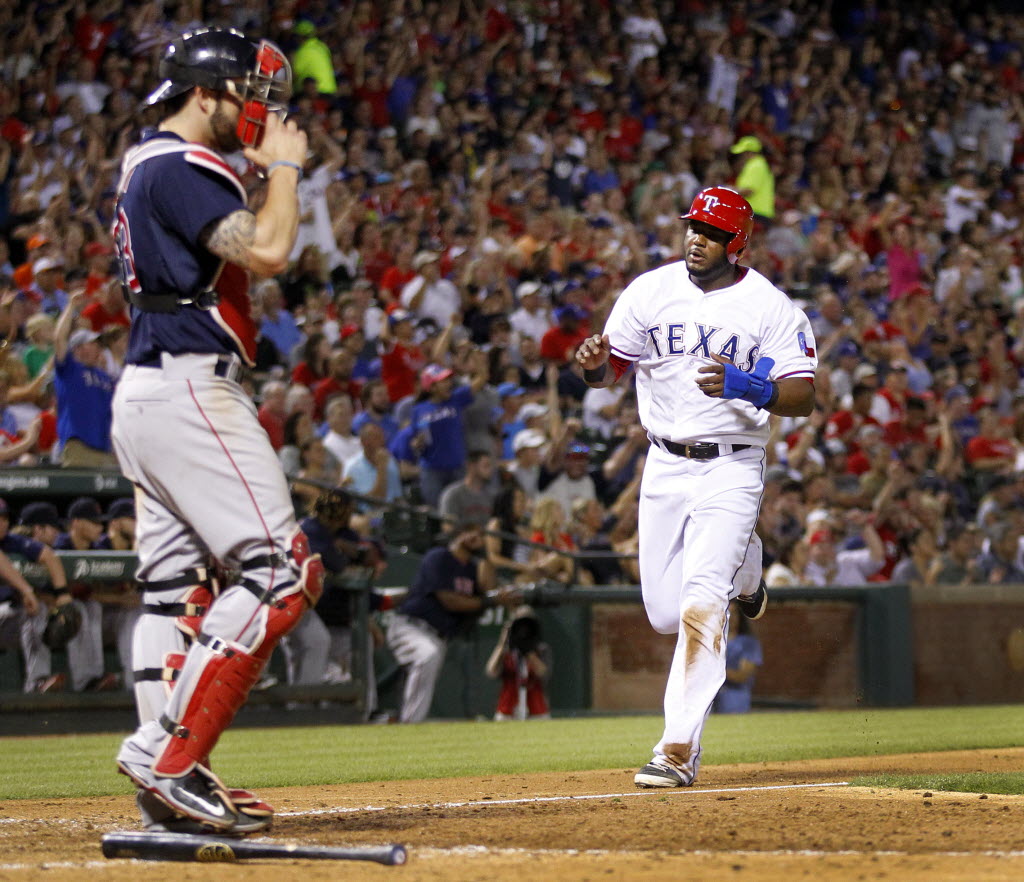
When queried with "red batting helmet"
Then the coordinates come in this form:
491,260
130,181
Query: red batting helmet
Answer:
726,209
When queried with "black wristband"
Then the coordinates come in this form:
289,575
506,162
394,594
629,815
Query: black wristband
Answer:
595,375
771,402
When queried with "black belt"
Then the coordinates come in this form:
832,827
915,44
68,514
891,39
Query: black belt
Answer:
226,366
703,450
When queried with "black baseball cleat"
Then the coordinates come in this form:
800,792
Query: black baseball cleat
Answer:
753,607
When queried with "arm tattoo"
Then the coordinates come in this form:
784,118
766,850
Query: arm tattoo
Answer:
231,236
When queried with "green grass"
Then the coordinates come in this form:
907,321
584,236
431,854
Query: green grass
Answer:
82,765
966,782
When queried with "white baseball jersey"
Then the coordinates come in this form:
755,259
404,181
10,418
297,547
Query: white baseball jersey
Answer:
668,327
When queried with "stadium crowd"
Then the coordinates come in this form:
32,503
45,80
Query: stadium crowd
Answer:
485,178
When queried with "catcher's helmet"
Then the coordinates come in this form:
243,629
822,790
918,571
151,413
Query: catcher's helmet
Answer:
226,61
726,209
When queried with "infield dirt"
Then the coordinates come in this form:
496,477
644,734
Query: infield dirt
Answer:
786,826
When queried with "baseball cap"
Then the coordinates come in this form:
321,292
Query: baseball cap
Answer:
46,263
532,409
507,389
578,448
746,144
383,178
525,289
422,258
528,438
122,508
348,330
847,347
864,370
957,391
399,315
569,311
43,514
434,373
304,27
87,509
820,536
387,132
82,335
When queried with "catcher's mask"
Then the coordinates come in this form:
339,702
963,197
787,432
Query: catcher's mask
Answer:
257,74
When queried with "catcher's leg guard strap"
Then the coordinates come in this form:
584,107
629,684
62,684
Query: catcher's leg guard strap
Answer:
196,589
307,568
214,697
169,673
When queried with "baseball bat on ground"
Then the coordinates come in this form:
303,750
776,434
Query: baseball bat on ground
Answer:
217,849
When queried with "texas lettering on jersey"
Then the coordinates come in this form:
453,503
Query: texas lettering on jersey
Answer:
700,341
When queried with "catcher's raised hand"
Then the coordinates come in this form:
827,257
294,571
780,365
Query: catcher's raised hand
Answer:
594,352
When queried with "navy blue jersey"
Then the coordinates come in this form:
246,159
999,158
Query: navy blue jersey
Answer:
440,570
15,546
170,192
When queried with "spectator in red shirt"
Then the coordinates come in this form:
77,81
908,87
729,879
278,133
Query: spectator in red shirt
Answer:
313,368
337,382
399,274
559,344
910,428
108,308
844,425
402,359
992,449
272,412
97,262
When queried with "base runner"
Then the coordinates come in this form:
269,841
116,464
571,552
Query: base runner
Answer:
716,348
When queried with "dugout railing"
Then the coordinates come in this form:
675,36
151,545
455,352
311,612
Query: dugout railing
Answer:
576,618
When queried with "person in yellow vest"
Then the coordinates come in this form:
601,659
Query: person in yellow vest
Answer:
755,181
313,59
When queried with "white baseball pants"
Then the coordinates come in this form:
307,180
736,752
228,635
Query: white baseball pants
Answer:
697,552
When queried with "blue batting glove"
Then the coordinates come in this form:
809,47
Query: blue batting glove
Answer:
754,387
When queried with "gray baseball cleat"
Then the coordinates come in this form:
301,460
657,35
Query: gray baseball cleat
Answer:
193,795
753,607
158,817
659,773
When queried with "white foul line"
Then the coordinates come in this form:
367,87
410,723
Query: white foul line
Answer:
533,800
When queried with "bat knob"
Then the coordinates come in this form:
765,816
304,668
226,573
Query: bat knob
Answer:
398,855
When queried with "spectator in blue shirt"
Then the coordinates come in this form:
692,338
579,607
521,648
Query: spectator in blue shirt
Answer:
373,472
85,393
437,420
277,324
376,409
